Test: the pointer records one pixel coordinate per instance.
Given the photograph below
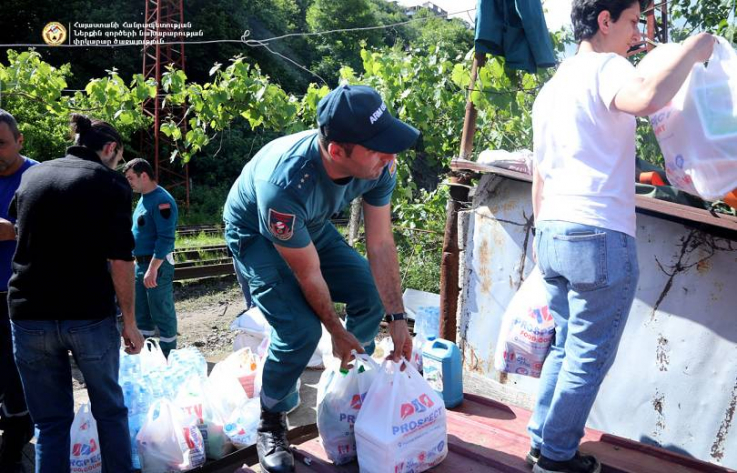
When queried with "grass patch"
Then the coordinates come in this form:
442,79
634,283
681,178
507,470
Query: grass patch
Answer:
201,239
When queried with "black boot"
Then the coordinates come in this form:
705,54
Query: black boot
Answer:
274,454
17,432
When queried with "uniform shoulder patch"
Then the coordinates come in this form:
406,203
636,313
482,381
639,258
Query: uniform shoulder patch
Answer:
165,210
281,225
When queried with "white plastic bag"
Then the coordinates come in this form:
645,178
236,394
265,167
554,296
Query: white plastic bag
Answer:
252,327
243,364
527,329
194,401
152,357
339,399
385,347
168,442
401,427
697,131
84,454
243,422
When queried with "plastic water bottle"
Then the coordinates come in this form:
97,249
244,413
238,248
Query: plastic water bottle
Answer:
441,360
427,321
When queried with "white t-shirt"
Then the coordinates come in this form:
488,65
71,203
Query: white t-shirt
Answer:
584,147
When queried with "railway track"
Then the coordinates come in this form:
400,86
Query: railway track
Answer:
208,260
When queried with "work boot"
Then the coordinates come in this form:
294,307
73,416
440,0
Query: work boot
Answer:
274,454
17,432
578,464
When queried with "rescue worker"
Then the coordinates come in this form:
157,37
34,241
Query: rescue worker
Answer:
154,229
16,423
61,294
583,197
295,261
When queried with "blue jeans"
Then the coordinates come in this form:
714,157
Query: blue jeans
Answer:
41,351
591,277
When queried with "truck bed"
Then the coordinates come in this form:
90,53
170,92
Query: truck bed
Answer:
486,436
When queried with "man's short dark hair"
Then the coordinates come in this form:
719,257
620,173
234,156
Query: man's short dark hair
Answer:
9,120
324,142
585,14
139,166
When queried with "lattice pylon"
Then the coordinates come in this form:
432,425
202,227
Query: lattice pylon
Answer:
656,26
159,16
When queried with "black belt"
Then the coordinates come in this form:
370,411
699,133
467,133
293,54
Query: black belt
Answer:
143,259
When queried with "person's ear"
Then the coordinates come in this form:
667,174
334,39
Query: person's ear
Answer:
20,141
110,148
336,151
604,19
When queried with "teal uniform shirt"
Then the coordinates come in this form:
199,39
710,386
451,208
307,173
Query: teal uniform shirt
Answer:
284,197
155,224
285,194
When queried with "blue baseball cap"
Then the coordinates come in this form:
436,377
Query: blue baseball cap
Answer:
357,114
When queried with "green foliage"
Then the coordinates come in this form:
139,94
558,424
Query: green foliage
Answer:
427,90
238,91
690,16
340,48
429,31
32,90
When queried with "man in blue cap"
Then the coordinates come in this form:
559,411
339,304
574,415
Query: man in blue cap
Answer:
297,264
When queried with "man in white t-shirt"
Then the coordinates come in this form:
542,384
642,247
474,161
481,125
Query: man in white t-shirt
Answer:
584,203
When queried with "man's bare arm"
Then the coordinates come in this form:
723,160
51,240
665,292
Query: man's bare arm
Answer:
123,281
305,263
382,256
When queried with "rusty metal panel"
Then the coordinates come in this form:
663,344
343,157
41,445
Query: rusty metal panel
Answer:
674,382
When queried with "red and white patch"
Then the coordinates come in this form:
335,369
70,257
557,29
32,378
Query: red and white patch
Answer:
393,167
281,225
165,210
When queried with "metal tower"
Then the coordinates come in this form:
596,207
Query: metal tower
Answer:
656,29
159,18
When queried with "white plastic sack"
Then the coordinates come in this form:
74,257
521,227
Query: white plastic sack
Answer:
339,399
385,347
527,330
224,392
168,442
243,422
401,427
252,322
194,401
152,357
253,329
242,364
84,454
697,131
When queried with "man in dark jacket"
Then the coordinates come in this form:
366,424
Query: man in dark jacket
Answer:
75,253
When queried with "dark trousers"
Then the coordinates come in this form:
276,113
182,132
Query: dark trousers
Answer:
16,423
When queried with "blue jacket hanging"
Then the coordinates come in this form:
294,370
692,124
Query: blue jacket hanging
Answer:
516,30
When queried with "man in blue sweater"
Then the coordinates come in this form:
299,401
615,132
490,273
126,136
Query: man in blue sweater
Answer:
154,228
15,422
